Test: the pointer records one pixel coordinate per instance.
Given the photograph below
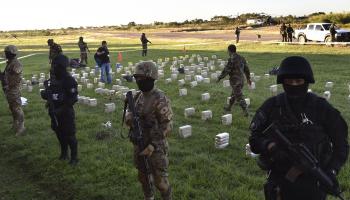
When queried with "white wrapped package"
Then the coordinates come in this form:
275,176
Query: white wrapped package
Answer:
189,112
109,107
207,114
185,131
226,119
205,97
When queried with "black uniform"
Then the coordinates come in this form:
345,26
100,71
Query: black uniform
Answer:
323,126
290,32
304,119
61,94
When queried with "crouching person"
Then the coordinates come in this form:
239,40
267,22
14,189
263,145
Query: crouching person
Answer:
61,94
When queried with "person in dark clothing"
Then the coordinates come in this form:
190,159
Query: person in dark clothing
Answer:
61,94
283,32
237,33
144,42
102,56
303,118
290,32
333,32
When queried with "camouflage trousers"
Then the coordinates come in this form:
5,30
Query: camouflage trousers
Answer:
15,105
159,170
83,58
237,95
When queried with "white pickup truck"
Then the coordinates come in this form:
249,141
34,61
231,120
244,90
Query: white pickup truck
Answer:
319,32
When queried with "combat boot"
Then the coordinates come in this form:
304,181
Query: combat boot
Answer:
149,198
20,129
167,195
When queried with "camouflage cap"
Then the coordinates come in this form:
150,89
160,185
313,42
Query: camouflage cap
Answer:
12,49
147,69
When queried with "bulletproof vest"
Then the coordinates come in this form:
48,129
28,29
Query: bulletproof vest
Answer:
146,110
56,92
304,127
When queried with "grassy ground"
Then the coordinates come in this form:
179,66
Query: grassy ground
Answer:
197,169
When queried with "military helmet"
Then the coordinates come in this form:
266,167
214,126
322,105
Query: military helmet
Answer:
147,69
60,61
11,49
231,48
295,67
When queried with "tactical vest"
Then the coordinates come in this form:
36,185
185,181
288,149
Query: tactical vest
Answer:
57,91
148,120
306,128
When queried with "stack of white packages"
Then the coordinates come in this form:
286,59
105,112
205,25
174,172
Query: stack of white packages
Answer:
185,131
109,107
226,119
222,140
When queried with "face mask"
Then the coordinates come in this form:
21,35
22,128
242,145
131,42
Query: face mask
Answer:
298,91
9,55
145,85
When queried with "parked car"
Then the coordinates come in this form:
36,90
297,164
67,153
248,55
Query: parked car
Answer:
319,32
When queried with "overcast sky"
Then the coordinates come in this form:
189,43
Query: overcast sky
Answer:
42,14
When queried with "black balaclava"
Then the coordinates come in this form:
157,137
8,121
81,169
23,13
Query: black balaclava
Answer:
9,55
59,66
145,85
296,91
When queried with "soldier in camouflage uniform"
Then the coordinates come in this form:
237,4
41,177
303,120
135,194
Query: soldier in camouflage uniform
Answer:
55,49
83,51
283,32
11,82
155,113
236,68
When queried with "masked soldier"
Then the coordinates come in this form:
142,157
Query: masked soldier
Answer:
236,68
155,114
303,118
55,49
83,50
61,93
11,82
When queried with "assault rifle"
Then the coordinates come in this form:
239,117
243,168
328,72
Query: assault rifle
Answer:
48,97
136,136
306,161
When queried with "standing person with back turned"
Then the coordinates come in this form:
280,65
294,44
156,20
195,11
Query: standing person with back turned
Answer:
308,122
154,112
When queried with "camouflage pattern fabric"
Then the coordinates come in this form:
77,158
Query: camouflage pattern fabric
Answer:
154,110
236,68
12,81
83,52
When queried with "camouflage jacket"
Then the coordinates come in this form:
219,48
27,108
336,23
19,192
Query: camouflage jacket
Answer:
55,49
83,47
155,113
12,76
236,68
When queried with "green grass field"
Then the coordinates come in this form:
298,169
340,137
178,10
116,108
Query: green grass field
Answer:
197,169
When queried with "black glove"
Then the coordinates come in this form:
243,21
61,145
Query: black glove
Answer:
43,94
